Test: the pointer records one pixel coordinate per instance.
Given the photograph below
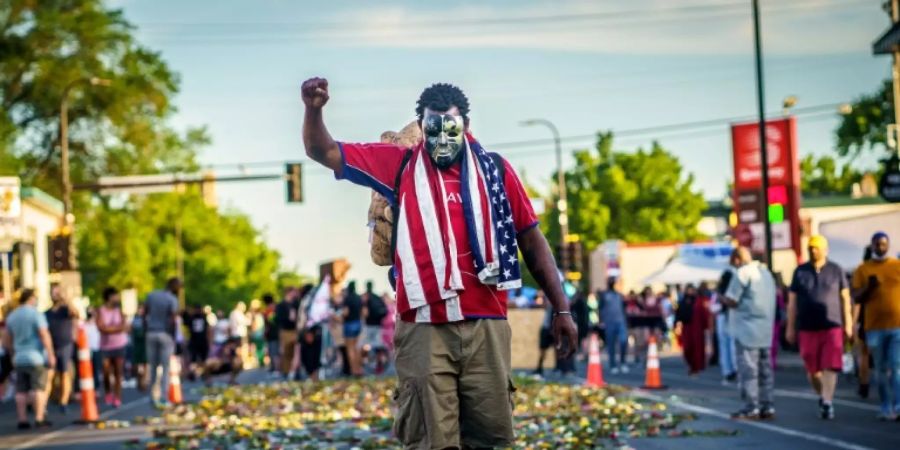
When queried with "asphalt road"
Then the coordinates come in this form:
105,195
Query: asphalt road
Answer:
796,425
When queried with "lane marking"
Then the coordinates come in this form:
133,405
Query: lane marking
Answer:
45,437
785,393
761,425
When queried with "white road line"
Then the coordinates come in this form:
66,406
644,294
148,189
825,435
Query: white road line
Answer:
46,437
787,393
761,425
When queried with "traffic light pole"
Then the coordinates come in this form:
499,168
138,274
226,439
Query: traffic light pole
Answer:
763,145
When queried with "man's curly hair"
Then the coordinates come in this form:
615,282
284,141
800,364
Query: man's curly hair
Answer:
441,97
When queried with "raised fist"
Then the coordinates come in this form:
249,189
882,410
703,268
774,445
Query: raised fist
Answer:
315,92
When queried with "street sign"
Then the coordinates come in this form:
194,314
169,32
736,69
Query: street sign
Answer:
889,187
141,184
10,212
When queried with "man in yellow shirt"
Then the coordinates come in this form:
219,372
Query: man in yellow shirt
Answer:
877,284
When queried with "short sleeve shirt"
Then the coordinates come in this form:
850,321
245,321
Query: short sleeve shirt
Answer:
376,166
818,296
161,305
25,324
60,323
751,322
883,307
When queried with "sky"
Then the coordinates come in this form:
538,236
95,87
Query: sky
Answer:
587,66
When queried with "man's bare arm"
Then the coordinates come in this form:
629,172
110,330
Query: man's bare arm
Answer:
318,142
539,259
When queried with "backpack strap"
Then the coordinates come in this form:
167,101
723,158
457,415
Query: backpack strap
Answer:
395,204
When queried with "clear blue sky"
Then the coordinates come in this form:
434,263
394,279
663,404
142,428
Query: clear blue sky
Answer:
586,65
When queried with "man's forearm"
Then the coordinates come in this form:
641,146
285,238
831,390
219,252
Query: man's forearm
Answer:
318,141
540,262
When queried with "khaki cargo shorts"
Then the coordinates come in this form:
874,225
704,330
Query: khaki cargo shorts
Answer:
454,385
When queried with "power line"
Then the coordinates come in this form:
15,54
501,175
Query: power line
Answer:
345,31
520,148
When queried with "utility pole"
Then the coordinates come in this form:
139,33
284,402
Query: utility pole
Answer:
763,145
895,17
562,205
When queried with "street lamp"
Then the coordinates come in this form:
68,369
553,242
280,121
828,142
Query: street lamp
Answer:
560,176
68,217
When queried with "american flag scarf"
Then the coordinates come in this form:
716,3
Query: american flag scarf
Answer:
427,248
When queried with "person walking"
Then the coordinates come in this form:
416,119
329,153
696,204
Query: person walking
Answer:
462,217
271,332
256,333
199,338
374,312
692,319
351,310
113,339
615,324
819,318
876,284
286,320
28,339
139,344
162,312
863,356
61,319
750,295
724,339
238,326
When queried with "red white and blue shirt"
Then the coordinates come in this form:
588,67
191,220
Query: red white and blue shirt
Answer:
376,165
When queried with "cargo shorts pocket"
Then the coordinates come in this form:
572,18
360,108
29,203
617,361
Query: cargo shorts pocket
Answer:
409,423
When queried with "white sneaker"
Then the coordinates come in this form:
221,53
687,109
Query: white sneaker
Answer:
625,369
615,371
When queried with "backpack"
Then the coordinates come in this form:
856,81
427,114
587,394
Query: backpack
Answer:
377,308
395,205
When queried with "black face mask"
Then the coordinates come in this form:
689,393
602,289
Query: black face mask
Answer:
444,138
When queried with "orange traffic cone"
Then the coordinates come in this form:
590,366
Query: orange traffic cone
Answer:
653,379
86,379
174,380
595,370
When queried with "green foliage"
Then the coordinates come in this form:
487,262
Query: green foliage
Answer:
633,196
224,258
865,127
822,176
50,47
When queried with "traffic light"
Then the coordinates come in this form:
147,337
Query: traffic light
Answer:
294,179
777,198
573,264
60,256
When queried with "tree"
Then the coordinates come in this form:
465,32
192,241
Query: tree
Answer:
865,127
225,260
636,197
50,47
822,177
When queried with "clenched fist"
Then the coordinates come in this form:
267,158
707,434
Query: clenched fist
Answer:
315,92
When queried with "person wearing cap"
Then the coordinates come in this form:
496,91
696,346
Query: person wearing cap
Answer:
819,318
876,284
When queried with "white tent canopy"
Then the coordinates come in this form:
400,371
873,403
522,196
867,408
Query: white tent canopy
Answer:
681,270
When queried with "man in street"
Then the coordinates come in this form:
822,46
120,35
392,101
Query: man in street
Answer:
286,320
61,319
31,346
819,317
876,284
462,217
162,310
750,295
615,325
200,336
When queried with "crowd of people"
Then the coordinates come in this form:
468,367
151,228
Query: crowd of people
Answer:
741,323
311,332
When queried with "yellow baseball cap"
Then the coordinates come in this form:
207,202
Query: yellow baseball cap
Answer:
818,241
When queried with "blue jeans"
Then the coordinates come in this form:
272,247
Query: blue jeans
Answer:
726,346
616,340
884,346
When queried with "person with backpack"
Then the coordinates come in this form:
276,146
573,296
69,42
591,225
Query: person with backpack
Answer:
462,216
374,312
